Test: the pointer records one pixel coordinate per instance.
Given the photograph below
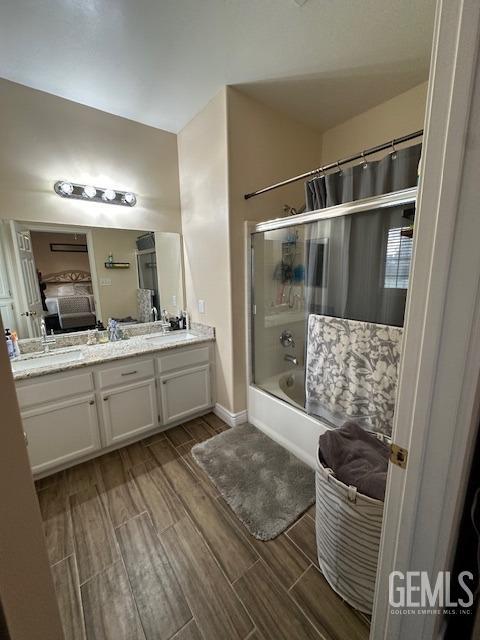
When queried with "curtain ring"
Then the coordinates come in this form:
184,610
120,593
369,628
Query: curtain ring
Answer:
339,171
393,154
364,160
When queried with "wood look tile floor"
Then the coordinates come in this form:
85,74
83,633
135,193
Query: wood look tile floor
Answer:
143,547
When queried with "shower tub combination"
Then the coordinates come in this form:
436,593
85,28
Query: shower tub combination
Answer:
348,261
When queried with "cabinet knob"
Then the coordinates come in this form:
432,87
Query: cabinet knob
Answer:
26,438
105,399
164,382
91,402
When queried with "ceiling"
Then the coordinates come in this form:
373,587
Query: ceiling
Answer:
159,61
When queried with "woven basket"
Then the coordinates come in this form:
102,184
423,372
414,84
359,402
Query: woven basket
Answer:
348,526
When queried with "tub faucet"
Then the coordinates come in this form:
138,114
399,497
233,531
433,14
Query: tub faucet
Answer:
286,339
292,359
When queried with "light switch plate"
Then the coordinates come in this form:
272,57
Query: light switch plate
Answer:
174,301
201,306
105,282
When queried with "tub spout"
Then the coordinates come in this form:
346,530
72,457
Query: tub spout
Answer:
292,359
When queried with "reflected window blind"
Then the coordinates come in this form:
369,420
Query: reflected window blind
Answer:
398,258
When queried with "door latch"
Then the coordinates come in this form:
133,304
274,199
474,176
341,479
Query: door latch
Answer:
398,455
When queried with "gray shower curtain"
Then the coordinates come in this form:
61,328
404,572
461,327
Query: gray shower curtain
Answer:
392,173
353,251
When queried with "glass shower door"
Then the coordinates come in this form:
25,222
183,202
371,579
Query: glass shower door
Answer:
354,266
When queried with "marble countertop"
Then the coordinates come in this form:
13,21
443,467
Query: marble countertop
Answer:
89,355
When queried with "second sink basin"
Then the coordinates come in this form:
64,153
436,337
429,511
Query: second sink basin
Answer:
166,338
39,361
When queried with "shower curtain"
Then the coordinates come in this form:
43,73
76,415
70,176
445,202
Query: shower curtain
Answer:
353,247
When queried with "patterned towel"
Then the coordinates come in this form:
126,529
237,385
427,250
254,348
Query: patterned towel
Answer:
352,370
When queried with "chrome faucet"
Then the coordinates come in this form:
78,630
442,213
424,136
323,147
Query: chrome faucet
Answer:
154,312
292,359
46,339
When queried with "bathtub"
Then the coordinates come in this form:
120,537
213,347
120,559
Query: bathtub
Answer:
277,409
289,386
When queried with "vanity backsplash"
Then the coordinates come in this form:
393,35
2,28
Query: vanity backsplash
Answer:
34,345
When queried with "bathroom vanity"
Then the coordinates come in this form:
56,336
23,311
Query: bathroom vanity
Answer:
82,401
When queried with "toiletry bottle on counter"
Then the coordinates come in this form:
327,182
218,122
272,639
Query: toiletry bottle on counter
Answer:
8,338
16,348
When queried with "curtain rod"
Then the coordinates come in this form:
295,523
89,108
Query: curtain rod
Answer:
335,165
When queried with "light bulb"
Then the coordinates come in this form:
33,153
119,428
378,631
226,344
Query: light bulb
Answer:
129,198
109,195
66,188
89,191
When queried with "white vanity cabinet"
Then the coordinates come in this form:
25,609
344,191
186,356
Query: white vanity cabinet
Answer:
127,399
73,415
59,419
184,383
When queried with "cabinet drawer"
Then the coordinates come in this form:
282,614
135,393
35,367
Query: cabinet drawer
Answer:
128,371
55,387
183,359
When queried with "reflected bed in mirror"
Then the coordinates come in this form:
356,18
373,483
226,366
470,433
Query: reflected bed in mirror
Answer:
75,278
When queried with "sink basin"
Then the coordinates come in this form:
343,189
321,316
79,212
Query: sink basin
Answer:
166,338
46,360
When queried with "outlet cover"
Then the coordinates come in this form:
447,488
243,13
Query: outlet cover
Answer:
105,282
201,306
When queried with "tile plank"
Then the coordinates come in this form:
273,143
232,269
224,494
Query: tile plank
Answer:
303,535
82,476
280,555
95,543
50,480
159,598
333,618
229,546
146,442
189,632
215,422
120,492
67,588
134,454
57,523
109,608
216,609
156,493
178,436
199,430
274,613
205,481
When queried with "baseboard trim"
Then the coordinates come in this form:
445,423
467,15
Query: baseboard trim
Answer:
232,419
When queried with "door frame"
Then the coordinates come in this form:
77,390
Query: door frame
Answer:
84,231
27,591
438,395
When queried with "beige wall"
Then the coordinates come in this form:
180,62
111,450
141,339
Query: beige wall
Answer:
45,138
394,118
265,146
118,299
202,154
48,261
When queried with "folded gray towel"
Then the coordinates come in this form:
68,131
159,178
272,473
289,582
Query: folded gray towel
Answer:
357,458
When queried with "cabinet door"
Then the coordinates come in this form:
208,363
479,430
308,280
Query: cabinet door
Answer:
129,410
185,393
61,431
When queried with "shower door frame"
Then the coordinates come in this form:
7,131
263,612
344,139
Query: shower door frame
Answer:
384,201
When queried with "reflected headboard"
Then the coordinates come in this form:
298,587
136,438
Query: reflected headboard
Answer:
67,277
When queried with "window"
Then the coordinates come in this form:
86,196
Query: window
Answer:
398,258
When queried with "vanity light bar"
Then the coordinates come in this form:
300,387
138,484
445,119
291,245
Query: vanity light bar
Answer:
67,189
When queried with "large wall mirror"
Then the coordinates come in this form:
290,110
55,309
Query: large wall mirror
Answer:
75,277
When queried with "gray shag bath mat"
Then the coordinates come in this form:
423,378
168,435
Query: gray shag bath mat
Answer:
267,487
